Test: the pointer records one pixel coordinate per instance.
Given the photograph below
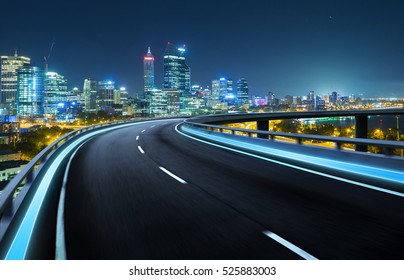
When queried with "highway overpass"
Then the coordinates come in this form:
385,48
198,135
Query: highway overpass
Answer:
167,189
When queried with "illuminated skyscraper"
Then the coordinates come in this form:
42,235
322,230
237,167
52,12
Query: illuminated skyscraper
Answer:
177,74
55,89
106,90
242,92
148,70
30,92
90,95
9,66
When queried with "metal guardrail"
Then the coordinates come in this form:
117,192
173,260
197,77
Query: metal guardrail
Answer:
387,146
9,203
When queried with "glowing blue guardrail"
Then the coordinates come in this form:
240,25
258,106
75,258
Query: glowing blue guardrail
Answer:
387,146
374,171
36,185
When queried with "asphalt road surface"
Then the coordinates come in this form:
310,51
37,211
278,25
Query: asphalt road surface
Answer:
148,192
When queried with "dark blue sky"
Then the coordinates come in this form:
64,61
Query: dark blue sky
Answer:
288,47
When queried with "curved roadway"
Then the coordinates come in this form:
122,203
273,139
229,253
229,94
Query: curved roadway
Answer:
148,192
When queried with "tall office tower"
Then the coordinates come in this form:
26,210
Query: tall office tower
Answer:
124,100
106,90
177,74
222,87
215,90
30,92
333,98
242,92
9,66
90,95
311,101
229,86
55,91
148,71
310,95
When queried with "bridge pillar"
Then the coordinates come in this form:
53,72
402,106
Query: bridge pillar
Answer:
263,125
361,131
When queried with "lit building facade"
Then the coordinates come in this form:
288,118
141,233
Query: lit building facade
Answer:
157,100
30,92
148,71
106,91
90,95
9,66
243,93
55,90
177,74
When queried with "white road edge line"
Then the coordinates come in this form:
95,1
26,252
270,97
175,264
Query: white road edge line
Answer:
140,149
137,137
143,130
172,175
289,245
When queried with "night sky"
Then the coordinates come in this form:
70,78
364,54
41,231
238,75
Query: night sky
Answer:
287,47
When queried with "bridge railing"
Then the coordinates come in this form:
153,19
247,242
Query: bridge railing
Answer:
17,189
386,146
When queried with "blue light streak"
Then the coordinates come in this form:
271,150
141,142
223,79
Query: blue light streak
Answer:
369,171
19,246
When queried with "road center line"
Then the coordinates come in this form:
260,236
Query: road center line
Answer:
289,245
172,175
152,126
143,130
137,137
140,149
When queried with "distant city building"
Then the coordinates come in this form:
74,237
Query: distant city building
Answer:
9,169
9,66
106,90
215,93
333,98
222,89
9,130
124,100
177,74
173,101
30,92
243,94
55,91
148,71
90,95
271,99
157,100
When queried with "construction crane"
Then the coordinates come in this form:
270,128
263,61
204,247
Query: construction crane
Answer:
46,58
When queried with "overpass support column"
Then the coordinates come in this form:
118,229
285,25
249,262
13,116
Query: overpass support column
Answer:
361,131
263,125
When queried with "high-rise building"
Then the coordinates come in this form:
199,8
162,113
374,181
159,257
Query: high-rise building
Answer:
222,88
106,90
177,74
333,98
90,95
30,92
157,100
55,92
9,66
148,71
242,92
124,100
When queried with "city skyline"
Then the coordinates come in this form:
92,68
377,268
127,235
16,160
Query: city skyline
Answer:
288,47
